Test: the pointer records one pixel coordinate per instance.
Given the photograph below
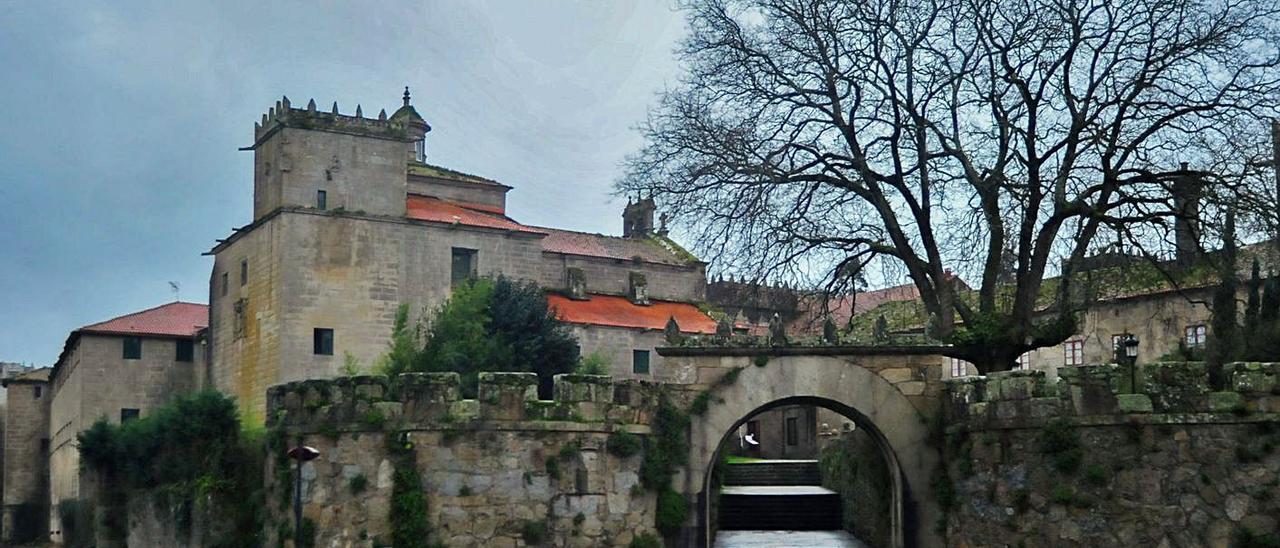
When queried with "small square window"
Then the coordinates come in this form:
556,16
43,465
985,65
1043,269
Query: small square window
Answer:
39,392
322,199
959,368
132,348
1196,335
640,362
127,414
244,271
185,351
322,341
1024,361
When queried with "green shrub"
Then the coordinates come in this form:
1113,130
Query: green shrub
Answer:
672,510
665,447
623,444
646,540
533,532
409,525
1062,494
592,364
553,468
1059,440
760,360
1247,538
374,418
700,403
1095,475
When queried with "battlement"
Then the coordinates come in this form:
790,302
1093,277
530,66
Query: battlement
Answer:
1013,398
425,401
397,127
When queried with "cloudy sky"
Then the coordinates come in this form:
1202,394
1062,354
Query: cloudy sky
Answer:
118,160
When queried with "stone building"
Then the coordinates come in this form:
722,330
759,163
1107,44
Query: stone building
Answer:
26,446
350,222
117,370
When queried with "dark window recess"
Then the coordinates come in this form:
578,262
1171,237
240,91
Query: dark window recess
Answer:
225,284
464,265
127,414
39,393
44,446
640,362
186,351
244,271
793,433
322,199
322,341
132,348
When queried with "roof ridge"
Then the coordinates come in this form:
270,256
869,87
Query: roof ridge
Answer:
144,311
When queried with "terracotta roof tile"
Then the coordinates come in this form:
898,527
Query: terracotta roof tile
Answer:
609,310
177,319
424,208
610,247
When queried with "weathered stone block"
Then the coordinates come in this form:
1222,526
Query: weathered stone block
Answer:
1174,386
1090,388
502,395
1015,385
428,396
961,393
1133,403
583,388
1251,378
1225,402
1045,407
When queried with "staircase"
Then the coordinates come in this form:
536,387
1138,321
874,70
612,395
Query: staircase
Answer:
777,495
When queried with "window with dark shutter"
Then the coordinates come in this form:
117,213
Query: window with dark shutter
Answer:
640,362
463,265
186,351
128,414
322,341
322,199
132,348
244,271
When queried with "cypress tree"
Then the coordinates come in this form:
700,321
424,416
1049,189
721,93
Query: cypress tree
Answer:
1270,309
1251,309
1223,330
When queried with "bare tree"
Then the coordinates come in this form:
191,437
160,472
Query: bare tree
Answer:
996,138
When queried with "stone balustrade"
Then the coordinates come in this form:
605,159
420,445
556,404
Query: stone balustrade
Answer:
1168,388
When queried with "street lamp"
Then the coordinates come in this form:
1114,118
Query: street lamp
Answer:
301,453
1127,354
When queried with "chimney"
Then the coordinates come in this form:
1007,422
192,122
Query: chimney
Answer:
1187,188
637,218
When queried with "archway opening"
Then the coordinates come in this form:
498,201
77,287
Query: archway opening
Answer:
784,468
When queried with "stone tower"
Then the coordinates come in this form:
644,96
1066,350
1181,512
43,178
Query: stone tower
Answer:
307,158
637,218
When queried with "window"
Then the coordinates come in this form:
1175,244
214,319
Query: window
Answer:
793,431
244,271
640,362
322,199
185,352
39,392
127,414
1196,336
464,265
1024,362
132,348
225,284
959,368
1073,353
322,341
420,151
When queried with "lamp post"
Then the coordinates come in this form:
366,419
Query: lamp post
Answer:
1128,351
300,453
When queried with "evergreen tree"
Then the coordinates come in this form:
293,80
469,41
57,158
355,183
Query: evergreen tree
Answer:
1270,309
528,327
459,337
1251,309
1223,331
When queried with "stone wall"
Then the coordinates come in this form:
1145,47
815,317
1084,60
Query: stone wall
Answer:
1113,456
492,468
853,466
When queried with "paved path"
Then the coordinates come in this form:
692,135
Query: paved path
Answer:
786,539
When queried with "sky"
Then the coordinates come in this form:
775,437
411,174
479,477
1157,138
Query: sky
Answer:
121,123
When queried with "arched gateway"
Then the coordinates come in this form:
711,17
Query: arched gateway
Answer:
888,392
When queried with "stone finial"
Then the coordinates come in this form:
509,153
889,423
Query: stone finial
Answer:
284,102
777,331
829,333
264,118
382,115
880,332
406,96
335,107
311,105
271,113
672,331
359,112
723,329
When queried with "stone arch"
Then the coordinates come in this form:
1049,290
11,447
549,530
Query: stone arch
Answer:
842,384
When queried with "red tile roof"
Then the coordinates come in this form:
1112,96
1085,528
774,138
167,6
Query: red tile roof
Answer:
176,319
609,247
424,208
614,311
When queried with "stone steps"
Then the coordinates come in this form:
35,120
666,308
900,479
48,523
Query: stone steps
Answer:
800,472
777,495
